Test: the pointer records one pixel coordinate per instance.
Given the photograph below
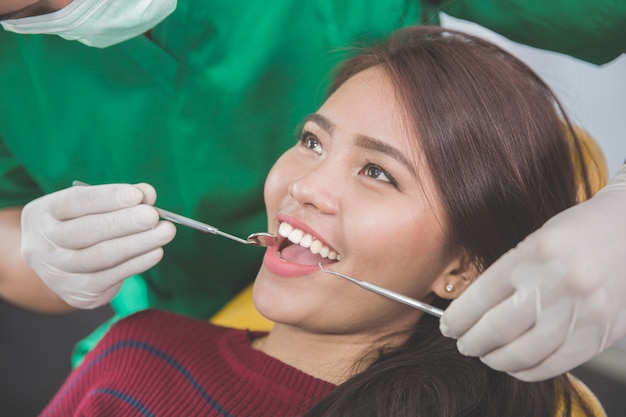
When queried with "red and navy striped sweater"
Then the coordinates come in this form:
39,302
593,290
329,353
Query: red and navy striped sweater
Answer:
155,363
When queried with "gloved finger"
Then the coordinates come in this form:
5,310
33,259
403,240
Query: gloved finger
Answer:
149,193
105,255
86,231
534,346
591,332
566,358
98,289
489,290
500,325
102,281
79,201
89,300
549,369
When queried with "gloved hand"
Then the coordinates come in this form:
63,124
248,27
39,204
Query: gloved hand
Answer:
557,299
84,241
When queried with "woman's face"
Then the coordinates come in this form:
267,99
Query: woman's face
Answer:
354,183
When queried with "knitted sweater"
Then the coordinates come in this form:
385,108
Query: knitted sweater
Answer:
155,363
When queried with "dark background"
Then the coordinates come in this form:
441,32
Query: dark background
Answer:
35,352
35,358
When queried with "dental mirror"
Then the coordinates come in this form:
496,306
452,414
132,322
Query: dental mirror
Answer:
262,239
259,239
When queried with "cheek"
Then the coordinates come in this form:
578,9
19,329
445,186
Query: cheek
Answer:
399,249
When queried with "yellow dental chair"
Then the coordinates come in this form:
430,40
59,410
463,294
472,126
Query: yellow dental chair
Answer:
240,313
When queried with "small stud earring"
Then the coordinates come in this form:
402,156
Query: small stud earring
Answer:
449,288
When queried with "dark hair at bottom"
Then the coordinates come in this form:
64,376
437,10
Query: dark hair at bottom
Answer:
428,377
494,138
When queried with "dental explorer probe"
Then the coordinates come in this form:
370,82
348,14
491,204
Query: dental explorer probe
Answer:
426,308
260,239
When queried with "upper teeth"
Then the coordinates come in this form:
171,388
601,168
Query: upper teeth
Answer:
306,240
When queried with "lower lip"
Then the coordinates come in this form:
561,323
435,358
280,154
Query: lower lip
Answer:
285,269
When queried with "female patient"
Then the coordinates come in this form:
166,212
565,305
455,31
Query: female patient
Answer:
434,154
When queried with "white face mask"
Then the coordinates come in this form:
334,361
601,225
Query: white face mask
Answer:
98,23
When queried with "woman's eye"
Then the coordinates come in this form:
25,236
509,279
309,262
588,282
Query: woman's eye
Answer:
312,142
378,173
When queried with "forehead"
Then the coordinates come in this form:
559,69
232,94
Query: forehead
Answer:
368,104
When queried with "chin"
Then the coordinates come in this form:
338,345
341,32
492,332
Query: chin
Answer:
269,297
281,300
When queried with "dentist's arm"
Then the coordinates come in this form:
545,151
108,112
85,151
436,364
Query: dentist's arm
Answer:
556,300
19,284
84,241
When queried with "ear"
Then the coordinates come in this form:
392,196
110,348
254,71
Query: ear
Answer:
456,277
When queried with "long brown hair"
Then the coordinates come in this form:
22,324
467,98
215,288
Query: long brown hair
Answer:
492,134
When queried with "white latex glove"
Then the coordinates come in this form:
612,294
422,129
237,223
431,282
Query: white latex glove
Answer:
84,241
557,299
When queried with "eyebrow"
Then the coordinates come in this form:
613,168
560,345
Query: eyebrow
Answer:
373,144
321,121
364,141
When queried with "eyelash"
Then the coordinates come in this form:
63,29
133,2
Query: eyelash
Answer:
367,164
304,138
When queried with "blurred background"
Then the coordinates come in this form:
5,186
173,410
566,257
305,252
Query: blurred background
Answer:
35,349
594,96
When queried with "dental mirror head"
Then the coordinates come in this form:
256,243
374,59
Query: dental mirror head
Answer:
262,239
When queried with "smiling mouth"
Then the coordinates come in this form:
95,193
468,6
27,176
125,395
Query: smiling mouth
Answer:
303,248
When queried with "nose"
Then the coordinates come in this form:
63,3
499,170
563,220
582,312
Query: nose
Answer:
313,189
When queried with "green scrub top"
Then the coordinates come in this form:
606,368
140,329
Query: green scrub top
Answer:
590,30
201,108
